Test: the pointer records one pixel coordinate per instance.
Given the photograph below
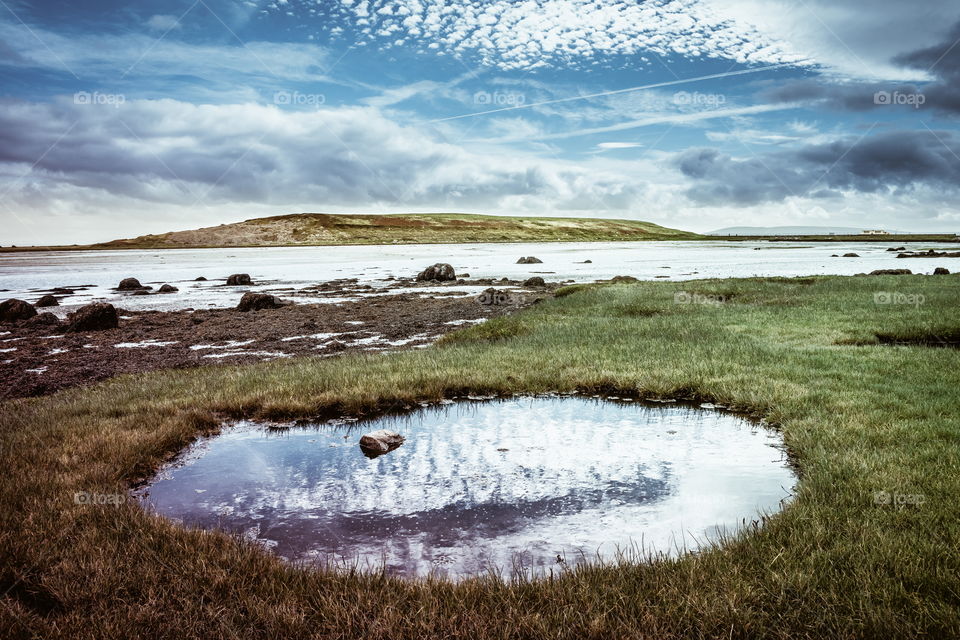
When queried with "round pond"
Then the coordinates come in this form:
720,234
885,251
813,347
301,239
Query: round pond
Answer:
532,484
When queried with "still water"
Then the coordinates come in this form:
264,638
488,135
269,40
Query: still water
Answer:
24,275
532,482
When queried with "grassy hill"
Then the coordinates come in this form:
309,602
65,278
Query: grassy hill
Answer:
339,229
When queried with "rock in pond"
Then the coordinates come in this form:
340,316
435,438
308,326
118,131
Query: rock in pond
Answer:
200,279
379,442
129,284
535,281
530,260
48,301
851,255
440,271
15,309
256,301
239,280
891,272
941,271
167,288
96,316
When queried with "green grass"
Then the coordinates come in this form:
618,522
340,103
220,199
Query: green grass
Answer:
858,417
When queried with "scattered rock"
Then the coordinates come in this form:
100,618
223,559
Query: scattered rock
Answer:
13,310
439,272
95,316
897,249
833,255
495,297
530,260
48,301
200,279
851,255
239,280
379,442
891,272
140,292
623,279
587,262
129,284
256,301
941,271
62,291
464,275
167,288
535,281
930,253
43,320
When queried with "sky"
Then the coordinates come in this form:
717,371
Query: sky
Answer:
119,119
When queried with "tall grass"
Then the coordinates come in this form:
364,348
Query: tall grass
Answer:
859,416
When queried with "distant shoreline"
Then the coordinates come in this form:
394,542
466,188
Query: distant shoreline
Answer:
941,237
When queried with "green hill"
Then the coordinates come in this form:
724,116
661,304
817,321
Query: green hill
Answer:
307,229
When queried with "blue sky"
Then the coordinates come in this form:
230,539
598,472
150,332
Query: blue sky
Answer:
119,119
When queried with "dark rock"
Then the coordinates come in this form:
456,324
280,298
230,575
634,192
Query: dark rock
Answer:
48,301
834,255
891,272
623,279
535,281
62,291
167,288
464,275
438,272
43,320
140,292
587,262
13,310
930,254
530,260
851,255
95,316
239,280
200,279
256,301
379,442
129,284
941,271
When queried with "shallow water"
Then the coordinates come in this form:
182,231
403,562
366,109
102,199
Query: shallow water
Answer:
500,484
298,266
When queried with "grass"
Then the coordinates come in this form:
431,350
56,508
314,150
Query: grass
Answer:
858,416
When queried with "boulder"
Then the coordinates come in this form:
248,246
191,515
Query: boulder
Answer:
46,320
62,291
13,310
48,301
379,442
129,284
530,260
891,272
623,279
587,262
535,281
200,279
440,272
941,271
256,301
851,255
95,316
239,280
167,288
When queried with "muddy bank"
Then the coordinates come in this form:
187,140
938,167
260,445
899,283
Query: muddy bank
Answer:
36,360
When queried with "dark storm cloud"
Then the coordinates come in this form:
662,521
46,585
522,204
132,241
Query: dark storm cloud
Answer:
943,94
892,162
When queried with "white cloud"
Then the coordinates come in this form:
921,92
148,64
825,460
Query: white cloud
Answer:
530,34
163,23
